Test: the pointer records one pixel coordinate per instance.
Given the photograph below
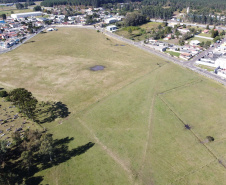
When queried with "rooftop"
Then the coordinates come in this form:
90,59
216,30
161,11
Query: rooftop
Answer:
27,13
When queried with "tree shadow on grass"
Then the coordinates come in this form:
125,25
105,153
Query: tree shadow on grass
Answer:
63,154
52,111
62,141
40,162
34,180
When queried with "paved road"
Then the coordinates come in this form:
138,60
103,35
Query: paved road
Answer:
187,64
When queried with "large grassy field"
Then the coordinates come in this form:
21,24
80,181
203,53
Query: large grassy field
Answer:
134,111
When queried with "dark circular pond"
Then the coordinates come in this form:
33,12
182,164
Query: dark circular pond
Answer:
97,68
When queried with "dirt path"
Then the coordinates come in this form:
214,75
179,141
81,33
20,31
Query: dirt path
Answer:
109,152
149,130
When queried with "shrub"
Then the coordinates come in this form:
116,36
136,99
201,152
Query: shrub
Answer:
210,138
3,94
187,127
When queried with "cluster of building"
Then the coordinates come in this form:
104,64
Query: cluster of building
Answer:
216,59
186,52
15,29
101,16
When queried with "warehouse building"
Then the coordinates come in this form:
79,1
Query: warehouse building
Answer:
28,14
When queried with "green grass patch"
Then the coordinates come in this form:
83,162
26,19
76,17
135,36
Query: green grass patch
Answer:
150,25
206,67
134,110
8,12
176,54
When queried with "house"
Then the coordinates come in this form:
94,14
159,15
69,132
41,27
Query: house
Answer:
219,62
205,31
110,20
111,28
194,42
185,56
168,37
183,31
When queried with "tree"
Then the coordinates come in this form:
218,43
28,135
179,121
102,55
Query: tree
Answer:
25,101
168,30
214,33
216,38
37,8
3,151
46,147
134,19
207,44
31,140
202,43
65,18
19,6
16,137
210,138
177,33
222,33
3,16
207,27
26,157
3,94
181,42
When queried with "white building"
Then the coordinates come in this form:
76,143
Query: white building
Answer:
28,14
220,62
194,42
111,28
183,31
110,20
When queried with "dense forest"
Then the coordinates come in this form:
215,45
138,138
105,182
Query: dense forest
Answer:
218,5
14,1
180,4
158,12
193,4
